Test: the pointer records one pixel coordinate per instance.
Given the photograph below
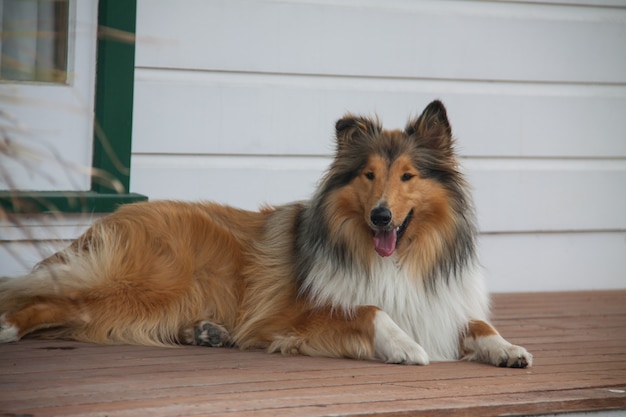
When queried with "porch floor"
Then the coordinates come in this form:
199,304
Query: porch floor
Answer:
578,340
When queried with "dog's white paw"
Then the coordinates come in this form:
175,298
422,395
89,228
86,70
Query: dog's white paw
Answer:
497,351
8,332
513,356
393,345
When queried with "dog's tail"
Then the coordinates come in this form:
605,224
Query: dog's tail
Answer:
70,272
105,288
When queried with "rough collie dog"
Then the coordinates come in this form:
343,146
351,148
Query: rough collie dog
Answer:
380,263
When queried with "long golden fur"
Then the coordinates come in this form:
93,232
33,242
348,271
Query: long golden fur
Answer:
380,263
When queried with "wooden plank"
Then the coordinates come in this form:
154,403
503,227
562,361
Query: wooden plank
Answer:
349,400
139,387
69,369
47,378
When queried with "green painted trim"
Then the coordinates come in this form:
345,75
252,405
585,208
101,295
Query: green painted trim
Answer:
39,202
113,126
115,81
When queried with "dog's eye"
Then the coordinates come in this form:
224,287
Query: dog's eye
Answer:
406,176
369,175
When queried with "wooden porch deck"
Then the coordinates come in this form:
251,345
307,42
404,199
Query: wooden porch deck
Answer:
578,340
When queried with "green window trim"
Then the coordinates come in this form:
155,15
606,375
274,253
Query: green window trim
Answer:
115,72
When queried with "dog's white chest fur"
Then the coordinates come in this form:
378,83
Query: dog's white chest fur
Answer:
434,316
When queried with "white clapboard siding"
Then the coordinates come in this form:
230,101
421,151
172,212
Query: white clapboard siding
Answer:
245,182
510,196
553,261
18,257
549,195
397,38
27,240
235,101
234,113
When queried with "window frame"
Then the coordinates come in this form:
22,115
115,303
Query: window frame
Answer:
112,136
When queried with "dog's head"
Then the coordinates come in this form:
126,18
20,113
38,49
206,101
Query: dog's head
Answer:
395,185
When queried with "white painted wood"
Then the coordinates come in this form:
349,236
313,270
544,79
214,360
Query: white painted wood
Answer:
554,262
235,101
232,113
26,240
50,126
399,38
62,226
536,92
595,3
245,182
549,195
19,257
521,195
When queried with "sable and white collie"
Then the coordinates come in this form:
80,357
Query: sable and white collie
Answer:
379,264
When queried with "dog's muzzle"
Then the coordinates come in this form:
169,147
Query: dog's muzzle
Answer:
386,236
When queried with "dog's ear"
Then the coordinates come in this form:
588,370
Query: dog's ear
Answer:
352,128
431,128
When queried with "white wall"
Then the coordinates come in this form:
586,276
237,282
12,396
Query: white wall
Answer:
26,240
236,100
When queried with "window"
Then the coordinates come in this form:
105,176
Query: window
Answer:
34,41
54,156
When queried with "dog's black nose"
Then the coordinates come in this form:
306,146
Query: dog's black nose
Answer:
380,216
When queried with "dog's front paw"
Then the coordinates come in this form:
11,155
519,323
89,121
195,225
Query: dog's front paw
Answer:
393,345
513,356
497,351
403,352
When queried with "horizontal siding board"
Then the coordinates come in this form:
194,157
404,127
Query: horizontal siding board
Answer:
548,195
510,196
594,3
246,182
295,115
18,257
56,226
554,262
441,40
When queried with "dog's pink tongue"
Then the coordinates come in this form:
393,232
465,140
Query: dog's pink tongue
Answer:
385,242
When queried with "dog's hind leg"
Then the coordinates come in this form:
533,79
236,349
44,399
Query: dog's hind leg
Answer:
366,333
205,333
41,314
483,343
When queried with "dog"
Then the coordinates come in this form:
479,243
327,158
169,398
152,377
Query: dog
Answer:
379,264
